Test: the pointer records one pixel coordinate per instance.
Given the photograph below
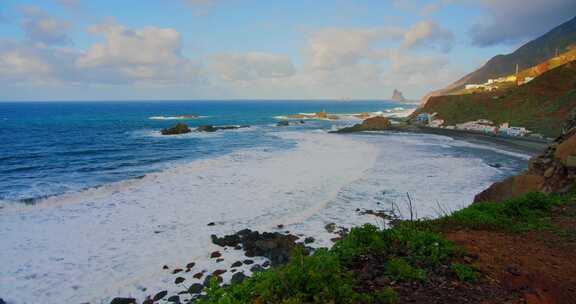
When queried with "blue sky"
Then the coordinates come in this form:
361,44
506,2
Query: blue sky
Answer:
227,49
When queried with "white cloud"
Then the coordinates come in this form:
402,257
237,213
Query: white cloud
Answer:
71,4
150,54
43,28
252,66
428,33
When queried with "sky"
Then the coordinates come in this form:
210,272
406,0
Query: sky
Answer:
256,49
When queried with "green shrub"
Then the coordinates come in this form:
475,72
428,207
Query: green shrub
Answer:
464,273
400,270
386,296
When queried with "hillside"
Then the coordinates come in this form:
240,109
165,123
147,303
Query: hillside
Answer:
532,53
541,105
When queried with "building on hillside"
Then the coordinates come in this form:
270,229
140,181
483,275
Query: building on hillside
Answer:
506,129
425,118
481,125
436,123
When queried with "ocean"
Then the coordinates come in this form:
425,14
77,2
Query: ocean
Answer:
94,200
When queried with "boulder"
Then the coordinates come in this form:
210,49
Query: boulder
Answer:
283,123
237,278
195,288
371,124
206,128
123,301
179,128
510,188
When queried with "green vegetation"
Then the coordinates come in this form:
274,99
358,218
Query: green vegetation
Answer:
520,214
465,273
410,252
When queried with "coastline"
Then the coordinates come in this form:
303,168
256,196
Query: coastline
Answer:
523,145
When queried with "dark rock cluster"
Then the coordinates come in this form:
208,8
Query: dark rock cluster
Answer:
377,123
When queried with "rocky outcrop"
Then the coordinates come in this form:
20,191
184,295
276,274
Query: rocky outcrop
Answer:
179,128
371,124
210,128
554,171
398,96
275,246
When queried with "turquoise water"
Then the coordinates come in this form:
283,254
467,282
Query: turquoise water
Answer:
49,148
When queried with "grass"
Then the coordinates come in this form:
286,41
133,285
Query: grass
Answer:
411,250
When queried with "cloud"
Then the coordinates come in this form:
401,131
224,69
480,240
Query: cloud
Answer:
43,28
513,21
150,54
428,33
202,7
252,66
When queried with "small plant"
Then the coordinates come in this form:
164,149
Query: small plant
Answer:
464,273
386,296
400,270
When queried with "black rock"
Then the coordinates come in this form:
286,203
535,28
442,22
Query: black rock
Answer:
123,301
198,275
2,301
248,262
159,296
256,268
283,123
211,224
179,128
309,240
165,267
206,128
174,299
190,265
237,278
228,240
215,254
236,264
179,280
208,278
177,270
195,288
218,260
266,264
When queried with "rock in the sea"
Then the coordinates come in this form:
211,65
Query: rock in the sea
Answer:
219,272
198,275
2,301
177,270
236,264
248,262
215,254
190,265
195,288
283,123
330,228
179,128
159,296
237,278
174,299
257,268
377,123
275,246
208,279
206,128
309,240
179,280
123,301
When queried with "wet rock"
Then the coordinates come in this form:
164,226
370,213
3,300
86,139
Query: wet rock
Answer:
174,299
195,288
256,268
275,246
215,254
198,275
236,264
219,272
179,280
190,265
371,124
238,247
177,270
165,267
331,227
283,123
280,226
2,301
237,278
179,128
309,240
206,128
248,262
211,224
159,296
219,260
123,301
496,165
266,264
208,278
228,240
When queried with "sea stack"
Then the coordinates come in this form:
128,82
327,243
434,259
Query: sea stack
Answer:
398,96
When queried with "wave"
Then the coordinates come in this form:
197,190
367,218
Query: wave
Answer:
179,117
